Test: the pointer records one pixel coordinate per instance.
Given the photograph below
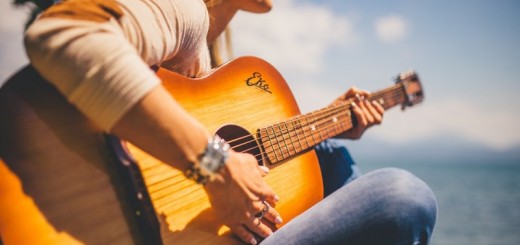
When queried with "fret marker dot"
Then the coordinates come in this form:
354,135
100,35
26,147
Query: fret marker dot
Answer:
381,101
334,119
313,127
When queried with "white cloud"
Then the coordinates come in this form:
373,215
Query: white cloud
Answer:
293,35
391,29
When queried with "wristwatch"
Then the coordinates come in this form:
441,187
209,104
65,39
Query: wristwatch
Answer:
210,161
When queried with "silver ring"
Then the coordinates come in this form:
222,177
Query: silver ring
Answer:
261,214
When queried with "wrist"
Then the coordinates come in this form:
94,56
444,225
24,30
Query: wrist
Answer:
210,161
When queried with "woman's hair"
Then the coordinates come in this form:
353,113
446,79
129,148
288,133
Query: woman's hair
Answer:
221,49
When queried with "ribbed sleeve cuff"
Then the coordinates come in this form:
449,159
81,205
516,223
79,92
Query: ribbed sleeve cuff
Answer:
106,102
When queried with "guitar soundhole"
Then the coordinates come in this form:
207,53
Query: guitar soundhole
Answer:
241,141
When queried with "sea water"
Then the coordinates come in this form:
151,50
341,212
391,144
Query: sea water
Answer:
478,201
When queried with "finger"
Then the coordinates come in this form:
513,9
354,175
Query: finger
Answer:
360,117
379,108
363,93
273,216
256,207
380,111
373,112
258,189
259,228
263,170
243,234
264,192
353,91
365,107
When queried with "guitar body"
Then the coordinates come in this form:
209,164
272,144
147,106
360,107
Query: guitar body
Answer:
222,98
56,187
61,166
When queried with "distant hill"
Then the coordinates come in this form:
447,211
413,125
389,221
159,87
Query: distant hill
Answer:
442,148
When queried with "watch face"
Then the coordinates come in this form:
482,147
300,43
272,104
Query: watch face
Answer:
210,164
213,165
214,157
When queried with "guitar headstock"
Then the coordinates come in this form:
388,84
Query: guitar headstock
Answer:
411,85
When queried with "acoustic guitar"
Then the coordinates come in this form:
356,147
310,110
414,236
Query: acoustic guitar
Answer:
64,181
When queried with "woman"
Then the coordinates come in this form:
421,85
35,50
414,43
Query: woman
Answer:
98,53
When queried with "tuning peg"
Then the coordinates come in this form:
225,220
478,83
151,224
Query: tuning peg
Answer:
408,73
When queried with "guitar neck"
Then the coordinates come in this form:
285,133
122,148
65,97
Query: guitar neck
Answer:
298,134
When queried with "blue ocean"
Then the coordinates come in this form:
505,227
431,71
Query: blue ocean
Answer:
478,201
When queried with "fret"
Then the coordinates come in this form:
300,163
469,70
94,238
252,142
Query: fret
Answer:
309,139
318,119
332,120
311,130
285,136
338,129
273,150
321,126
279,140
297,134
389,97
282,146
292,135
276,145
315,129
264,138
346,120
301,132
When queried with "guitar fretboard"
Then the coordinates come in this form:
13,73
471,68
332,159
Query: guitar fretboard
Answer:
298,134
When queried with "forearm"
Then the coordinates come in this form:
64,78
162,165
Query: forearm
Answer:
158,125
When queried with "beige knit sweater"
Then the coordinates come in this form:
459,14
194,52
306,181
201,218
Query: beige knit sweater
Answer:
99,56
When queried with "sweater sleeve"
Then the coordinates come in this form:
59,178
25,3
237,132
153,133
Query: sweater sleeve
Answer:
92,64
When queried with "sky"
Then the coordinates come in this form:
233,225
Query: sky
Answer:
466,53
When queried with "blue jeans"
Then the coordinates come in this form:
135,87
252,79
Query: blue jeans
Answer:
385,206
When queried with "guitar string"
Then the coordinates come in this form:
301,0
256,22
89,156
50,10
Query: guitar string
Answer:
324,115
305,131
277,134
327,113
289,130
326,128
161,200
173,183
328,108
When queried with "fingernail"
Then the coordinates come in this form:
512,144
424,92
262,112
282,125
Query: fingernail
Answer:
358,96
253,241
276,198
278,220
354,104
265,169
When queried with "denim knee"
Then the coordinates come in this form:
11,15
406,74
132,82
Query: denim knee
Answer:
408,204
